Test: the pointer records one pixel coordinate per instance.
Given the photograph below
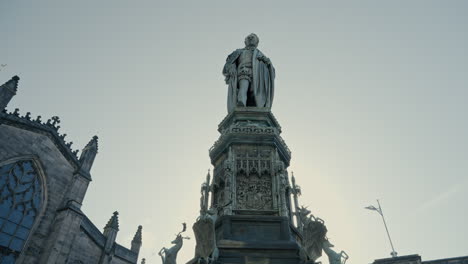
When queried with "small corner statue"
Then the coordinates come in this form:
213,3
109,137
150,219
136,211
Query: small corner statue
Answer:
169,256
250,77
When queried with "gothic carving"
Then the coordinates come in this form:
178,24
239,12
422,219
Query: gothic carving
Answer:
254,186
249,128
254,192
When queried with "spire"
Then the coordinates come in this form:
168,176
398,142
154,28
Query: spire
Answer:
113,222
137,237
12,84
110,232
89,154
136,242
7,91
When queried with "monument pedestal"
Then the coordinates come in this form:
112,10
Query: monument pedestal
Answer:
251,190
256,239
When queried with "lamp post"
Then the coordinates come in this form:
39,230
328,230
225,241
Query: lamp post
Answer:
379,210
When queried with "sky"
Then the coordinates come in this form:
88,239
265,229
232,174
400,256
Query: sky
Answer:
371,97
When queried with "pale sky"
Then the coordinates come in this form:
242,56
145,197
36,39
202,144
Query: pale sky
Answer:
371,96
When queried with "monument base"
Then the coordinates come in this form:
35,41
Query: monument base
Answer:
249,239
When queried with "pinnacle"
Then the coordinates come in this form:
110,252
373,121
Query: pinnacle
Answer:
93,143
137,237
12,84
114,221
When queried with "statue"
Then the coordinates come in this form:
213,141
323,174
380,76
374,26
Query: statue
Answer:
204,227
169,256
204,230
206,250
205,193
250,77
333,257
313,232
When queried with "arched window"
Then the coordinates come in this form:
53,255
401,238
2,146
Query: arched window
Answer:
21,197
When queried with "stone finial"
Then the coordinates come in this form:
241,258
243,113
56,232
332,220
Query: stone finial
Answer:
110,232
8,90
12,84
113,222
137,237
143,261
136,242
89,154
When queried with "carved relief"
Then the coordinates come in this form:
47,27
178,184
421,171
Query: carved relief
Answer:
254,187
254,192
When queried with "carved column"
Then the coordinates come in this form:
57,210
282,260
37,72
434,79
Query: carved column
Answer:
282,180
229,194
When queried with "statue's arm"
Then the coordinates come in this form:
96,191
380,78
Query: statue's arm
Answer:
229,68
264,59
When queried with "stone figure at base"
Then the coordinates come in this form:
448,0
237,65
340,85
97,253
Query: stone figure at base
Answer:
169,256
314,233
333,256
250,77
204,230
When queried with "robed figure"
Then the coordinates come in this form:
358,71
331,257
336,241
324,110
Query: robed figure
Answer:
250,77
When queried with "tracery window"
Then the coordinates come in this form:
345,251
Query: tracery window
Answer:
21,197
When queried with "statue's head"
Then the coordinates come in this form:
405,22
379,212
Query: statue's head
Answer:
251,40
178,239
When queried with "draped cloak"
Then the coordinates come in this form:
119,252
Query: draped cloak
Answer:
262,84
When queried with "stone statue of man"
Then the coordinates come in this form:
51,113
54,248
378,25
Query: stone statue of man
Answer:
250,77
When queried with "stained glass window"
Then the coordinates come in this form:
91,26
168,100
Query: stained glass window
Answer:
20,202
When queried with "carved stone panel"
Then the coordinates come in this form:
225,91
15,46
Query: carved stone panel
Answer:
254,192
254,177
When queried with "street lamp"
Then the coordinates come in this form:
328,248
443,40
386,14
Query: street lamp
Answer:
379,210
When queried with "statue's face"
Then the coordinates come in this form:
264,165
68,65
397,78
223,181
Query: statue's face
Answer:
251,40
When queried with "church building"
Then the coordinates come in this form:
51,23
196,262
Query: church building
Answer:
43,183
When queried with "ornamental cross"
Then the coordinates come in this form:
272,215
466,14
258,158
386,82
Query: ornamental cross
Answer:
56,120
